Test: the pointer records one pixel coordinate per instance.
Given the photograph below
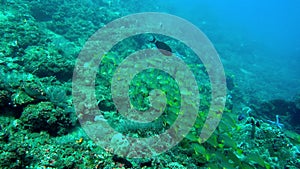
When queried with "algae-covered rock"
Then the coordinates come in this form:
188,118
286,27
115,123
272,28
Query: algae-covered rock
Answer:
34,89
44,62
20,98
26,32
266,147
46,117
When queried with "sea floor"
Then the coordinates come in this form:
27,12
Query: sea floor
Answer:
39,127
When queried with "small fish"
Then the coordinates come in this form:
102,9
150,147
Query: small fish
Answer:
241,116
162,47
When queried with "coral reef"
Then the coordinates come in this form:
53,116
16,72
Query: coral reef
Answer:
39,127
45,117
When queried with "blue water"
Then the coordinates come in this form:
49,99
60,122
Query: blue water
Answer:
276,23
262,37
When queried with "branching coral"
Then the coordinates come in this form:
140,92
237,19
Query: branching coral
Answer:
277,123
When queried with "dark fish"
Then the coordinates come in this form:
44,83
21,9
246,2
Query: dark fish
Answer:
241,117
162,47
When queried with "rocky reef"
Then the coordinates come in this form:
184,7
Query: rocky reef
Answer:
39,127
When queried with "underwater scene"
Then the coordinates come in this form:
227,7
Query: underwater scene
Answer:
160,84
